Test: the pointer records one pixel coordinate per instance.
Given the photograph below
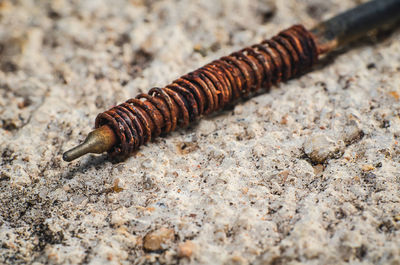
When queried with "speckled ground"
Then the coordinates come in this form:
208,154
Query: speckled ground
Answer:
306,174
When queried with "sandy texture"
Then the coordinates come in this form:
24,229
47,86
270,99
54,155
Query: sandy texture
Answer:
306,174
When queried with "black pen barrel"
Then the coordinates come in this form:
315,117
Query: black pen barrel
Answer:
356,22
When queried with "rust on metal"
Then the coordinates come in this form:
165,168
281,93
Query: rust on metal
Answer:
224,81
209,88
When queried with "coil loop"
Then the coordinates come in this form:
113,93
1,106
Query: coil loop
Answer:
209,88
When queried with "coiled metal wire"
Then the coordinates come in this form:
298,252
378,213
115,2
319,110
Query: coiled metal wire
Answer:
209,88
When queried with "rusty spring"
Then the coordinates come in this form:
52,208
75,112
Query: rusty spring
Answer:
209,88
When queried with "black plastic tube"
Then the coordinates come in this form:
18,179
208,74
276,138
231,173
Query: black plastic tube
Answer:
356,22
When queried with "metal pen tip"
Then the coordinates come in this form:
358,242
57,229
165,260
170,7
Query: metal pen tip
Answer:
97,142
77,152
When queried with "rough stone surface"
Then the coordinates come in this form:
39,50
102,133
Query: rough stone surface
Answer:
243,186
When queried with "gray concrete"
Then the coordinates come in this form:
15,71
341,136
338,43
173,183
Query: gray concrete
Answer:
306,174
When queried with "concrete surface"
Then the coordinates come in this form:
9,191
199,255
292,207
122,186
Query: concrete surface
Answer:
306,174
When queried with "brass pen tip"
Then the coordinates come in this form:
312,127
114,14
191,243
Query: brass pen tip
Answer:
77,152
98,141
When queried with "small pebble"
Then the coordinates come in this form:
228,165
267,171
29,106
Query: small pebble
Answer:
320,147
118,185
367,167
186,249
158,239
